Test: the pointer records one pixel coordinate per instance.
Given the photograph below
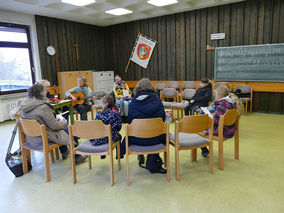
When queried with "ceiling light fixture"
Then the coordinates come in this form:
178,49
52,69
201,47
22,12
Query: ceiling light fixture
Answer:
118,11
160,3
79,3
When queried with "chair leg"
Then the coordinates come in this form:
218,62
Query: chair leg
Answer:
118,155
52,156
90,161
237,146
193,155
221,157
92,114
47,168
127,168
177,163
72,158
57,153
250,105
76,115
111,168
211,158
246,106
168,165
25,158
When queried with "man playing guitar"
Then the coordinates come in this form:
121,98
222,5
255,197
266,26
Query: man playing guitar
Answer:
82,105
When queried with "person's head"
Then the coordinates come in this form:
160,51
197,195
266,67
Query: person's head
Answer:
204,82
108,103
144,85
45,83
223,91
123,84
82,81
37,91
117,79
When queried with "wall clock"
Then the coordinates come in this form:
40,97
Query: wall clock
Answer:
50,50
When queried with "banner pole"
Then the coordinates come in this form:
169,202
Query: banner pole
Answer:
132,52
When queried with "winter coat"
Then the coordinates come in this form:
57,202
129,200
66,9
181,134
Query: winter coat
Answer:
146,105
112,117
203,95
42,112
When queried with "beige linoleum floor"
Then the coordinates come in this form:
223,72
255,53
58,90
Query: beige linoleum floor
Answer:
255,183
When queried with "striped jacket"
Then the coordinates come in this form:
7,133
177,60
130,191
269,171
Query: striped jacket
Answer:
222,106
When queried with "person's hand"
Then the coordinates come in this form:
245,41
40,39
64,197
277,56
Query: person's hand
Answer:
74,98
191,101
129,96
94,98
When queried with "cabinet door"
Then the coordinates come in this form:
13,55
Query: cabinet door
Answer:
70,81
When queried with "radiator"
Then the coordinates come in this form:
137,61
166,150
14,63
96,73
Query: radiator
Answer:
7,103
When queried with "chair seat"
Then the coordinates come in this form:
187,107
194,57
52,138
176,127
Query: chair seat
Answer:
189,140
137,148
181,105
244,99
168,104
87,147
37,146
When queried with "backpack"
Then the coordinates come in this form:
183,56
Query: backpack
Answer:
154,164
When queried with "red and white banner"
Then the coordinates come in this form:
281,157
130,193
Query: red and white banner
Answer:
143,51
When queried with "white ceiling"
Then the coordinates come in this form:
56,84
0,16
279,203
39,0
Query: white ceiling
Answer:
95,13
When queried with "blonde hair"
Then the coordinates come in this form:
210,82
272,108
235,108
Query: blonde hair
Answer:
224,91
84,80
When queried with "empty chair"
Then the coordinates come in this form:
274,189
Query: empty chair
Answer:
147,128
188,85
32,128
185,95
161,86
246,95
169,93
173,84
186,138
92,130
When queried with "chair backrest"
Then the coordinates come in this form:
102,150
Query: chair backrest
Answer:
147,128
173,85
32,128
194,124
90,129
230,117
169,92
161,86
244,89
188,93
188,85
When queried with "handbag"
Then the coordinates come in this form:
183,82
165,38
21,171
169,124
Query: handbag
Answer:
14,160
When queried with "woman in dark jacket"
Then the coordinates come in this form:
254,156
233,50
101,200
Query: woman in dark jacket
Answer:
145,104
201,97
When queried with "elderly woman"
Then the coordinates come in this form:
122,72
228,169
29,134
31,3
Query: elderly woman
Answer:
36,108
145,104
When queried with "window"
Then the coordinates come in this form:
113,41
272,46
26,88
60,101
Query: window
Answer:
16,67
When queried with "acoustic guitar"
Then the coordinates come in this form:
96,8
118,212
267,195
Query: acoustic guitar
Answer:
81,98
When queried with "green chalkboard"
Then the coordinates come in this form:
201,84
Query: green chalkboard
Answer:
250,63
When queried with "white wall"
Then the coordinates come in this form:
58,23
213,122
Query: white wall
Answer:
8,101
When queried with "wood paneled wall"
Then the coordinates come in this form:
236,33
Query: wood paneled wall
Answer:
62,35
182,40
183,37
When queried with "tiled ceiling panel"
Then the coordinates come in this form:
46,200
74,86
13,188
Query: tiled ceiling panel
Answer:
95,13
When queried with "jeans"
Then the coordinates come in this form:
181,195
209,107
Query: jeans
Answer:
120,102
83,109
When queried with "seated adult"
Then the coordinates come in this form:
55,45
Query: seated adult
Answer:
200,98
145,104
36,108
83,87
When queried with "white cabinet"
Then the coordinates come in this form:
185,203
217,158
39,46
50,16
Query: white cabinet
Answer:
103,81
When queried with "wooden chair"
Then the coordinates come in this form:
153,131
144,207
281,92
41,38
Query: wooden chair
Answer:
186,138
229,118
185,94
246,90
77,113
92,130
32,128
169,93
147,128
